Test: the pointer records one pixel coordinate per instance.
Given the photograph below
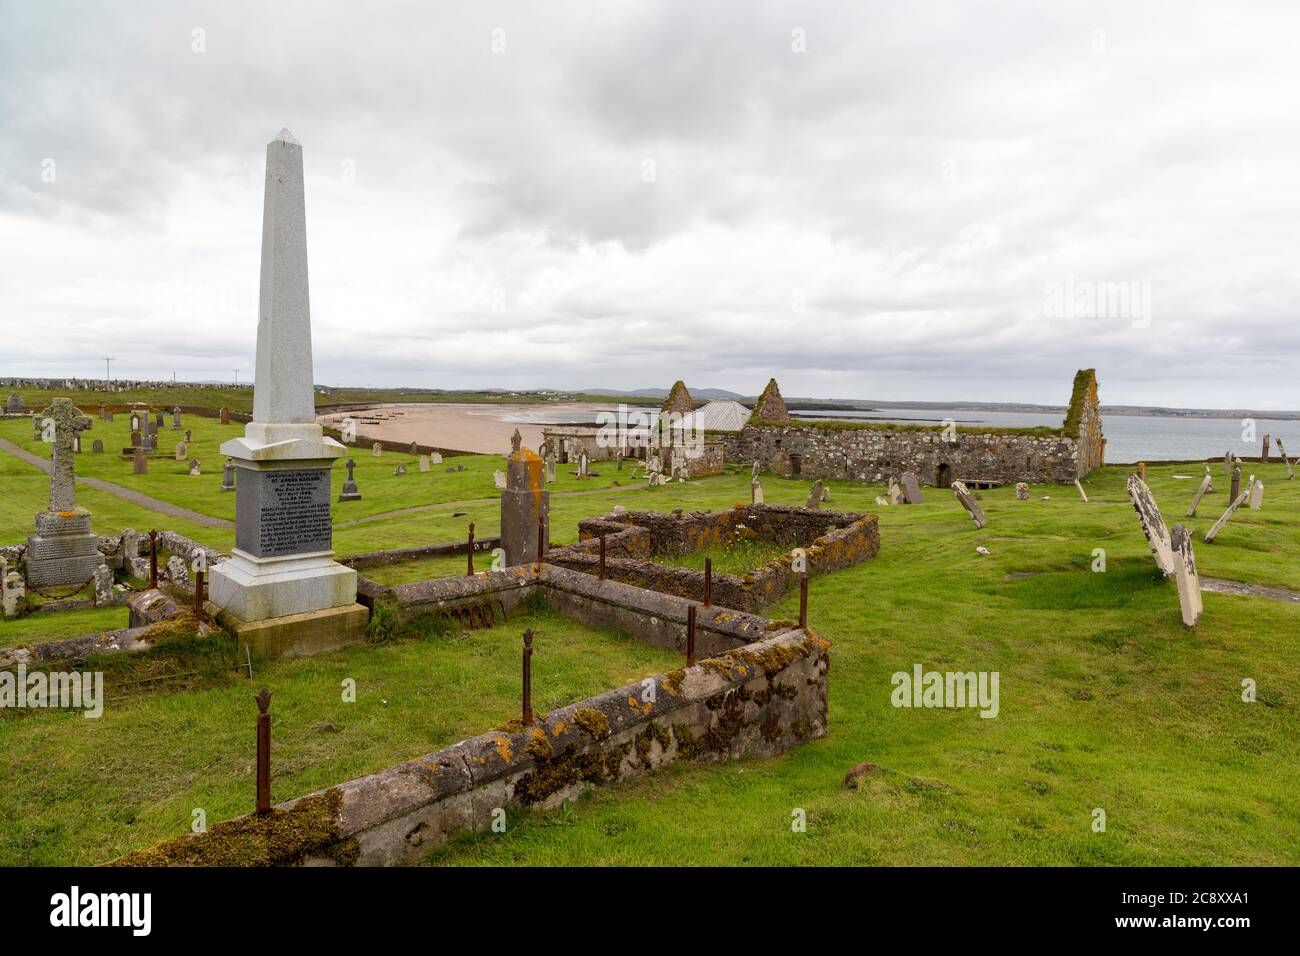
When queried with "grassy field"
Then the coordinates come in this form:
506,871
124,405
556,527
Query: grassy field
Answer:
82,791
1107,702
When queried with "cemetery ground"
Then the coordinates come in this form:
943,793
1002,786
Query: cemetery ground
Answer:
1106,700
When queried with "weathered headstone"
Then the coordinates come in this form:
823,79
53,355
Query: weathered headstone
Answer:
103,413
350,491
228,476
176,572
424,463
413,450
756,491
1022,491
815,495
64,550
15,404
525,503
137,440
583,465
140,462
1186,576
158,420
282,566
176,419
76,444
895,493
195,469
618,461
399,471
189,435
1153,524
1257,495
97,447
1235,489
103,585
1079,488
882,500
377,449
223,416
911,489
1200,493
1227,462
13,596
1223,520
550,470
1268,444
435,458
182,453
135,423
499,479
962,494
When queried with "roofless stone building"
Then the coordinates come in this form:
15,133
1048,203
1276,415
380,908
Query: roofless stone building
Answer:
872,451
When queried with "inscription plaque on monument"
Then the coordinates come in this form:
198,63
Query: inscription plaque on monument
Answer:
282,512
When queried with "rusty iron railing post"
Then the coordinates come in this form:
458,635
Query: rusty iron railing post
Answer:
198,593
263,751
803,600
469,552
528,678
708,582
541,540
601,575
690,636
153,559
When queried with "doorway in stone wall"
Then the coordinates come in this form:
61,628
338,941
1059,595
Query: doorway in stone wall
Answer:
796,466
943,475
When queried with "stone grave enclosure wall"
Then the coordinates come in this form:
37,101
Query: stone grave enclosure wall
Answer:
833,540
762,692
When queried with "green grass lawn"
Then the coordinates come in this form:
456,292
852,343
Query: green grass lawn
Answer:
737,557
1106,700
81,791
410,571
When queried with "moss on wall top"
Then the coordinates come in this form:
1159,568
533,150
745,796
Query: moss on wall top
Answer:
1085,390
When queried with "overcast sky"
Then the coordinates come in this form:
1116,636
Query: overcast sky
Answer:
925,201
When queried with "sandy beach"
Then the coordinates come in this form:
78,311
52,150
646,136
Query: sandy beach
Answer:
463,427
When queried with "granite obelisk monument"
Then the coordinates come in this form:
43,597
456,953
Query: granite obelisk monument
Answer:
281,591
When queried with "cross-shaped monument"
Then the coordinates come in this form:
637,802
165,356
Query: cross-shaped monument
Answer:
63,550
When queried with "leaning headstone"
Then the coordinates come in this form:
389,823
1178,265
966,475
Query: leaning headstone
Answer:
1022,491
895,493
1186,576
1200,493
182,453
377,449
64,550
223,416
499,479
911,489
525,506
424,463
97,447
756,491
1153,524
882,500
815,495
399,471
103,585
1079,487
1218,525
350,492
1235,489
176,419
1281,450
962,494
1257,495
228,476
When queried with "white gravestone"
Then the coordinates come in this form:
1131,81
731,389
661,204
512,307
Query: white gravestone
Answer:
1153,525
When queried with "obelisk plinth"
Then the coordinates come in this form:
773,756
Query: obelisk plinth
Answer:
280,589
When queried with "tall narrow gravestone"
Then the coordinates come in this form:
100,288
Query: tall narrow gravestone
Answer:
525,503
280,590
63,551
1153,525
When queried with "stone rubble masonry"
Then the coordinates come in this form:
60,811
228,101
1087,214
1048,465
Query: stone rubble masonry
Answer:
810,450
770,406
679,399
832,539
757,699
